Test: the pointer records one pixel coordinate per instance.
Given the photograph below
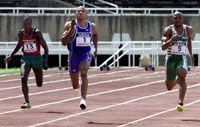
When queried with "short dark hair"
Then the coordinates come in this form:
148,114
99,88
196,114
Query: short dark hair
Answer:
27,18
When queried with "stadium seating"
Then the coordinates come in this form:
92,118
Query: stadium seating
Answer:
146,3
37,3
120,3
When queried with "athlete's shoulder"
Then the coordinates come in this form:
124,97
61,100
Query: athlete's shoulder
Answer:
189,29
68,23
168,29
93,25
35,29
20,32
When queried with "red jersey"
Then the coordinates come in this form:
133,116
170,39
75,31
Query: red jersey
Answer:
30,44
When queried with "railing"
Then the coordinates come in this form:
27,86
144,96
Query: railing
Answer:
98,11
151,49
117,53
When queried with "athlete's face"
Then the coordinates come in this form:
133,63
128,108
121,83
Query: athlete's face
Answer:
177,19
81,13
27,24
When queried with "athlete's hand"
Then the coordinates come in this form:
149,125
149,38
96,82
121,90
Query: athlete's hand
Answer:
7,59
45,65
192,60
95,53
173,38
73,22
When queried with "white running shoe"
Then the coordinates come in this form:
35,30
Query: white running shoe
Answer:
25,105
83,104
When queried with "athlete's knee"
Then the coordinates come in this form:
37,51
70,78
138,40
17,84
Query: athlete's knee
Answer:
182,72
169,88
170,85
24,80
84,73
75,84
39,83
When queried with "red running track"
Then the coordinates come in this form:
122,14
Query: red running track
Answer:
121,97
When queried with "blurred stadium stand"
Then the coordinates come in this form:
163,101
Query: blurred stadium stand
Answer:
37,3
120,3
143,3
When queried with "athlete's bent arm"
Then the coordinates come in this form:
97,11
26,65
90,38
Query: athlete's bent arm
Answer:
68,32
167,38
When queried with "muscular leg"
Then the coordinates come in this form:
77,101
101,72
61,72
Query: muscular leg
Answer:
75,79
25,70
84,66
182,72
38,76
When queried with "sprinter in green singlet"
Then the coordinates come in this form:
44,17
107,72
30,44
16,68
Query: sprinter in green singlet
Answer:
176,40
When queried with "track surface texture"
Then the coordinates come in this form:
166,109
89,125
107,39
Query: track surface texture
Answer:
130,97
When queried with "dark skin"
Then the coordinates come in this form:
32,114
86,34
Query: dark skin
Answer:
27,25
168,39
81,16
28,29
69,29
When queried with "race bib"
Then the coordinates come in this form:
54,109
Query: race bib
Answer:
29,46
83,39
179,48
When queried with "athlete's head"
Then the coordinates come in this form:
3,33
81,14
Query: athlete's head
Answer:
81,13
177,18
27,23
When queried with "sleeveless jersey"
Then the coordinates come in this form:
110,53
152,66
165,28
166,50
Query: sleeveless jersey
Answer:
180,46
30,43
81,39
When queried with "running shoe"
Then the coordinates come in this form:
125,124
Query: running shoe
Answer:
26,105
83,104
179,108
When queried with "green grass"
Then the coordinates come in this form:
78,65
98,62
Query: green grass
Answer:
9,70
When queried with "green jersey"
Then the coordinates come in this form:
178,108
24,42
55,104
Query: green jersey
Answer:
179,47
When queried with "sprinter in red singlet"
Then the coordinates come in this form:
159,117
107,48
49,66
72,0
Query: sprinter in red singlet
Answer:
30,39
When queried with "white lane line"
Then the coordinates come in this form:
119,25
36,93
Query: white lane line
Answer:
111,106
11,74
33,77
90,84
4,75
56,81
90,95
156,114
49,75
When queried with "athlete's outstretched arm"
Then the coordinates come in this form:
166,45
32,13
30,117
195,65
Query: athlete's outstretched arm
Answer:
17,48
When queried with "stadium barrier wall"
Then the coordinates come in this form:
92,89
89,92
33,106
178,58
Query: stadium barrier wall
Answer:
151,49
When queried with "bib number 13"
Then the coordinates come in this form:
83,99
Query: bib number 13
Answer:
30,47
